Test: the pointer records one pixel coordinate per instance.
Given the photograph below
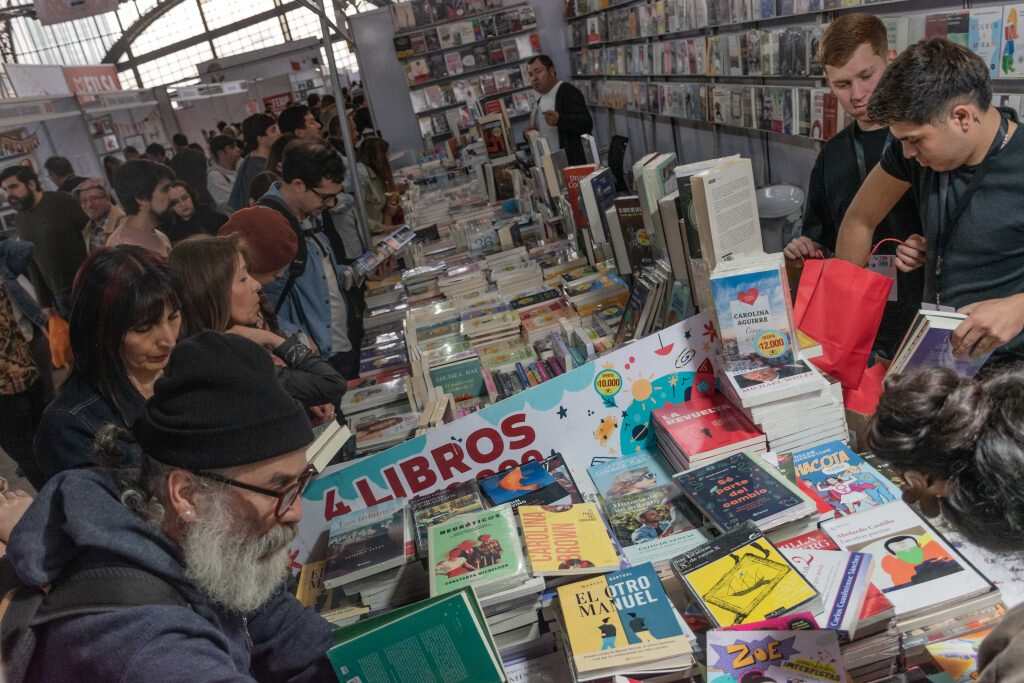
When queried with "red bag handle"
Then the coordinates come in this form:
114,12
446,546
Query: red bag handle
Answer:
887,239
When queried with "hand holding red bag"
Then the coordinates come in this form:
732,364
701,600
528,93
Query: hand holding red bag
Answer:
840,306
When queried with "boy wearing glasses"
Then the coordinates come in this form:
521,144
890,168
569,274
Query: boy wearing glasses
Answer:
209,514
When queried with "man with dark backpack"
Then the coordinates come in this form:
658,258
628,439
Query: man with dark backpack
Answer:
172,567
309,297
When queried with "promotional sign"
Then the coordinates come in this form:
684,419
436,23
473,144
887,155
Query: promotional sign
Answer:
275,104
87,81
600,410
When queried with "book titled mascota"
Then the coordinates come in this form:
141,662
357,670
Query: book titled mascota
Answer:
566,540
620,620
479,549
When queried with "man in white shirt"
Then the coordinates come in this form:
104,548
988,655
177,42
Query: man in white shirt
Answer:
561,113
219,181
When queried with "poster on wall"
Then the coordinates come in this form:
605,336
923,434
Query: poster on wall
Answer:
85,82
600,410
16,143
275,104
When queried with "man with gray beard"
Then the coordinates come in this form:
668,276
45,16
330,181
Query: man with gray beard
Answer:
210,510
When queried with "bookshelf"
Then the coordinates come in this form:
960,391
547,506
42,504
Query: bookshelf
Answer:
475,57
626,57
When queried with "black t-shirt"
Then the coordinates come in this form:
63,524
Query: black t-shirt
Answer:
984,257
835,180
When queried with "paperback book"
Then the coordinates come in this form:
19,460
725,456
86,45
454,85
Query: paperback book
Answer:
566,540
623,622
651,525
529,484
791,656
739,489
480,549
740,577
842,580
431,639
442,505
842,479
367,542
914,566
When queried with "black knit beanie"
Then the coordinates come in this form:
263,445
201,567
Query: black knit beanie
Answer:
219,405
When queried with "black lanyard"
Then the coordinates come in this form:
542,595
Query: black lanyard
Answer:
862,169
948,223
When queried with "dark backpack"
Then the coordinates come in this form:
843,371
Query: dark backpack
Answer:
298,265
86,591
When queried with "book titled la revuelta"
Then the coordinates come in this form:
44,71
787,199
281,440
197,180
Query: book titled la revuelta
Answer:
621,620
566,540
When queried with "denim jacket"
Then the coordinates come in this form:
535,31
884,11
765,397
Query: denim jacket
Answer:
15,257
308,306
68,428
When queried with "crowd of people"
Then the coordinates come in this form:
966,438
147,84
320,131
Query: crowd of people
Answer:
206,314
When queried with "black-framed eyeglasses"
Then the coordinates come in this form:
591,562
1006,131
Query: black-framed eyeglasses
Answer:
285,499
329,200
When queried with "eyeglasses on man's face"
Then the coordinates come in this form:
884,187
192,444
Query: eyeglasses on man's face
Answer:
328,199
285,499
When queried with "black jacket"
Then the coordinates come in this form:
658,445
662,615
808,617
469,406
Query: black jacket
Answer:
68,428
307,377
573,121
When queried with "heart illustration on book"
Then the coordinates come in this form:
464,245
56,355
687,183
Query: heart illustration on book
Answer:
748,296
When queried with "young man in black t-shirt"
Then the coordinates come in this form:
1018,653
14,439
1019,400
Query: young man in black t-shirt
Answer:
961,160
854,52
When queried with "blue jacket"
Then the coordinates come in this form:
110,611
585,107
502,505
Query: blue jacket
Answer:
69,424
308,307
77,514
15,260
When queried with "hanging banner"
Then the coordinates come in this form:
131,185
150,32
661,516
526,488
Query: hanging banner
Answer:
275,104
85,82
16,143
602,409
57,11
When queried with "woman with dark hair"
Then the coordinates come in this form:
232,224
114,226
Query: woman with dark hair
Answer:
260,185
958,443
188,217
218,293
124,322
382,206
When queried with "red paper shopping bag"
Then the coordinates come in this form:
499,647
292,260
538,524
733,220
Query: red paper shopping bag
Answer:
840,306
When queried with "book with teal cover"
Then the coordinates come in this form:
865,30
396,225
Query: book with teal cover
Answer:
439,639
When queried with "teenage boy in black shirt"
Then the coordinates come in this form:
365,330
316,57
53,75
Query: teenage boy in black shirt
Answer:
854,53
961,160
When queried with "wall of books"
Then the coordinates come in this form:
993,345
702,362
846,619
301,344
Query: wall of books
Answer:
719,69
458,54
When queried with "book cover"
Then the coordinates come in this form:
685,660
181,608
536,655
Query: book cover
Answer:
566,540
531,483
634,231
753,316
572,176
843,479
429,638
620,619
626,475
462,378
737,489
366,542
477,548
842,580
958,657
740,577
706,424
797,621
914,566
791,656
651,526
442,505
986,36
935,350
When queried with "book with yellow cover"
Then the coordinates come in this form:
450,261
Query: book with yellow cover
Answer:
623,622
741,578
566,540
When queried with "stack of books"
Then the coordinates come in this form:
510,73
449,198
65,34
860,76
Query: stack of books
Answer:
932,587
440,506
927,345
623,623
490,328
809,656
743,489
541,320
517,279
370,553
643,508
838,480
462,279
704,429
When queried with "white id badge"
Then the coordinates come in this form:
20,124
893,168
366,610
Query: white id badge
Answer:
886,265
